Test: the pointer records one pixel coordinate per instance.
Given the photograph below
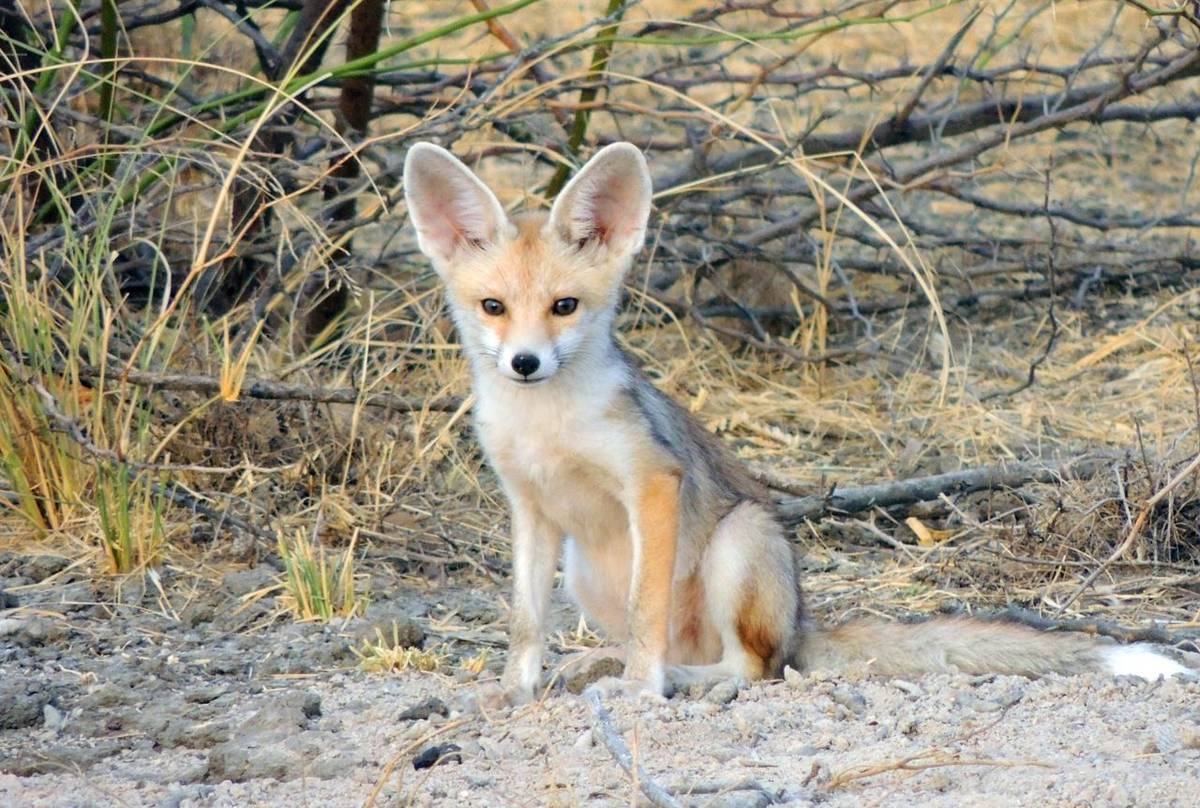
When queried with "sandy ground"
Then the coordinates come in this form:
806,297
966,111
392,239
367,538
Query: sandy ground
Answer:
104,705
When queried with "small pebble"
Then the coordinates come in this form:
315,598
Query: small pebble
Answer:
851,699
424,709
436,755
1117,795
54,718
1165,740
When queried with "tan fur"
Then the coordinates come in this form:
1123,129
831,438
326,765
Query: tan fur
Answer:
667,543
656,524
529,276
758,631
969,646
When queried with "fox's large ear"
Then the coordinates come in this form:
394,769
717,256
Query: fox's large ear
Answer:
608,202
450,207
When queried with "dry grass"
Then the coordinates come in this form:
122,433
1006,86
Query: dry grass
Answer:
317,584
387,655
916,400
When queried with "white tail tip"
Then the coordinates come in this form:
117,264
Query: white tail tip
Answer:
1141,661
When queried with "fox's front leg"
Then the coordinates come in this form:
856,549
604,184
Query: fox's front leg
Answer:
654,527
535,555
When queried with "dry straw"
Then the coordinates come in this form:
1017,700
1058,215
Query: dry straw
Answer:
875,225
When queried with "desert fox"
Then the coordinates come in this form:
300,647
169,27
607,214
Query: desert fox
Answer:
667,542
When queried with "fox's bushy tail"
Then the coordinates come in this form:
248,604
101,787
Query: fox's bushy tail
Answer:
976,647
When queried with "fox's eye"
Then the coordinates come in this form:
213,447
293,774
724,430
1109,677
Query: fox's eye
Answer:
565,305
493,307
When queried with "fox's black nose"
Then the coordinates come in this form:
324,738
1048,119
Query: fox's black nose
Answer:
525,363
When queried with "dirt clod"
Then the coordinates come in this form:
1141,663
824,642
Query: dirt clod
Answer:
275,741
33,631
240,583
388,626
424,709
21,703
38,568
590,671
437,755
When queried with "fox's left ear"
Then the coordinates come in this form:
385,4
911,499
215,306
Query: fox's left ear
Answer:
607,203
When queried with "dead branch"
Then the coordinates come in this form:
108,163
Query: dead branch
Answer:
1100,628
959,114
268,56
325,297
536,69
721,787
75,431
583,114
922,489
1072,215
1069,108
616,747
1050,314
938,131
930,759
270,390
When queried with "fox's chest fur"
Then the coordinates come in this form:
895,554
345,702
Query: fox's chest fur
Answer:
567,453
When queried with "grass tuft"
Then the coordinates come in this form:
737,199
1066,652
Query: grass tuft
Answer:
388,655
319,585
133,534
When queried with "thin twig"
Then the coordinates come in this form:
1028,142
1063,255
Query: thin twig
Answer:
1053,280
75,431
932,759
900,121
1134,531
579,126
268,56
1101,628
536,68
616,747
271,390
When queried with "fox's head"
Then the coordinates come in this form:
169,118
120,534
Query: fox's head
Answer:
530,294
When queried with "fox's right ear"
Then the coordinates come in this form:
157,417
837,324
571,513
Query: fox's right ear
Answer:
607,204
450,207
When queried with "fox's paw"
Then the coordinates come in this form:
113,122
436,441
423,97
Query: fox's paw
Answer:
698,681
610,687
